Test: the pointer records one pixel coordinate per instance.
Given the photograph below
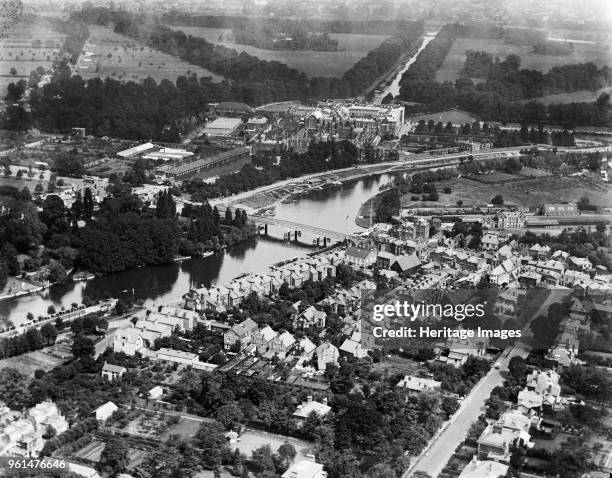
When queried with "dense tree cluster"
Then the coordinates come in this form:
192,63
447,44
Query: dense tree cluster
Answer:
319,157
267,81
128,110
579,243
33,339
506,85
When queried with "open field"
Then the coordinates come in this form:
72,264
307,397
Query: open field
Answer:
454,116
575,96
45,359
253,439
314,63
453,64
110,54
26,47
531,192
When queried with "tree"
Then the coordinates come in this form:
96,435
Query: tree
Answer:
114,458
88,204
14,388
82,347
211,439
498,200
49,333
50,310
261,459
230,416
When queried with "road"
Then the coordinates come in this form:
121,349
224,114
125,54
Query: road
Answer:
442,446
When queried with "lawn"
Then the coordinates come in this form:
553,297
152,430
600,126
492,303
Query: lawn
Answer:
253,439
574,97
30,362
314,63
110,54
531,192
453,64
26,47
454,116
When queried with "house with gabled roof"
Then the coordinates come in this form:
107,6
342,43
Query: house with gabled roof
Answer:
262,339
308,318
112,372
241,333
281,344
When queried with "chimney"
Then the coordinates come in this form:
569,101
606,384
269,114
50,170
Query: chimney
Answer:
325,401
309,398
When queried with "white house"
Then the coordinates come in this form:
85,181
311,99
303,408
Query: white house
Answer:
305,469
156,392
360,256
127,340
103,412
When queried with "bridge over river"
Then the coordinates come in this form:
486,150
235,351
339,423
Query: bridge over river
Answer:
294,229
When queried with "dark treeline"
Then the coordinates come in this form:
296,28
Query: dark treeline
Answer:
109,108
500,97
157,111
257,81
319,157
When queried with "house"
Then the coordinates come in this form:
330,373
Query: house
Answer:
103,412
529,279
418,384
241,333
305,469
310,317
569,209
354,346
156,393
528,400
510,220
327,354
490,242
305,348
112,372
177,356
495,442
127,340
539,252
281,344
384,260
262,339
504,274
484,469
45,415
310,406
406,264
360,257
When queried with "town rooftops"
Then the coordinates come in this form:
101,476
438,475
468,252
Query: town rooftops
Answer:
106,409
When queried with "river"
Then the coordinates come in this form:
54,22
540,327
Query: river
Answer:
334,209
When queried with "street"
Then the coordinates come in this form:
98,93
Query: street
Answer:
442,446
